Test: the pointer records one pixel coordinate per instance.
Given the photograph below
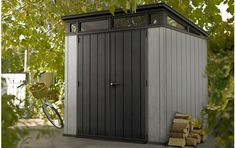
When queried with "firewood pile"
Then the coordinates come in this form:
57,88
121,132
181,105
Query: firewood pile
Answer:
185,131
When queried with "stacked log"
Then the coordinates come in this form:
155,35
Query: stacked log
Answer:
185,131
191,142
197,130
179,130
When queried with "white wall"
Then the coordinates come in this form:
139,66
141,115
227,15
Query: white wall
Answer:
70,109
14,80
176,76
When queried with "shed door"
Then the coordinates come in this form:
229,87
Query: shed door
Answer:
111,92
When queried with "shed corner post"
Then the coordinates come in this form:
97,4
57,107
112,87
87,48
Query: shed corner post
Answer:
71,85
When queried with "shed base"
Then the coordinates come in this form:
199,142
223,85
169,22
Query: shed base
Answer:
130,140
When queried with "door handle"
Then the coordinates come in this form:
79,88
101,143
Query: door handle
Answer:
114,84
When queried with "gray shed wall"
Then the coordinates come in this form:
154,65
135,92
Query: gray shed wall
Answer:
176,78
70,102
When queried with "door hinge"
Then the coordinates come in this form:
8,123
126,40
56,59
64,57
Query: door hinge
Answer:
78,39
146,83
78,83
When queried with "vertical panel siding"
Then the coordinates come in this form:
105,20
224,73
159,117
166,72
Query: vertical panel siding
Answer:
174,71
192,80
184,72
200,69
80,90
94,93
114,111
188,74
71,86
128,60
93,85
127,85
91,77
153,85
179,88
66,87
86,84
136,82
197,99
107,86
119,79
162,71
143,49
101,83
113,79
178,71
169,109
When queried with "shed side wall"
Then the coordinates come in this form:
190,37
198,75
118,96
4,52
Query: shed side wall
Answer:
70,104
176,78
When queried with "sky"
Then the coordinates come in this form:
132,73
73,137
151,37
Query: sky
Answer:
224,13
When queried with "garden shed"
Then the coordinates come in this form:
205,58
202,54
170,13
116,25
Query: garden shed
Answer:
127,75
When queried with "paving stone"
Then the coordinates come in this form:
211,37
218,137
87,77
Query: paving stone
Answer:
56,140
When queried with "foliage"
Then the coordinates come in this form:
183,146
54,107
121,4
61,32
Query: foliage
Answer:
14,136
10,115
220,108
220,70
40,24
36,26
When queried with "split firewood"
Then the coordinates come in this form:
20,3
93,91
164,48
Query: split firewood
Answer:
184,130
191,141
179,130
176,142
178,135
197,127
195,136
182,116
181,121
180,125
191,127
197,131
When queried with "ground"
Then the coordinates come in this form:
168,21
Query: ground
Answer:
53,138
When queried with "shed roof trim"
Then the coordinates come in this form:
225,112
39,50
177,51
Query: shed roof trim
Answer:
139,8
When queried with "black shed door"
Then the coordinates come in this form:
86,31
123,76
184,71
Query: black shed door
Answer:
111,92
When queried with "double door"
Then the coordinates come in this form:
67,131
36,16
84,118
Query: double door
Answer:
111,91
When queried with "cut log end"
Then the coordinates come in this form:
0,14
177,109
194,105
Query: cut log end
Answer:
195,136
181,121
191,142
177,142
178,135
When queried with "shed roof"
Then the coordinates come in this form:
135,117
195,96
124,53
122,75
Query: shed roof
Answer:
140,8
